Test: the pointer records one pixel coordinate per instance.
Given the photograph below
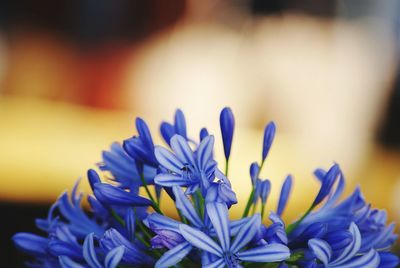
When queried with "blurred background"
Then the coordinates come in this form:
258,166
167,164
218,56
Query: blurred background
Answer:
75,74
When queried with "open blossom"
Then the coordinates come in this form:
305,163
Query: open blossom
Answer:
126,225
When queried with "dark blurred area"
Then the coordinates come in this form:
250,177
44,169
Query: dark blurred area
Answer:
91,23
92,44
17,218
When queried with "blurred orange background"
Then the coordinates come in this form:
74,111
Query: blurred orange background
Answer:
74,75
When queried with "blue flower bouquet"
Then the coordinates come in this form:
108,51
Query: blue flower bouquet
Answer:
126,227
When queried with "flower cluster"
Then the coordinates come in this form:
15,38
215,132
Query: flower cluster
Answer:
126,226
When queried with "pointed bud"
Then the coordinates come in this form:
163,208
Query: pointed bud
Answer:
269,134
227,124
285,192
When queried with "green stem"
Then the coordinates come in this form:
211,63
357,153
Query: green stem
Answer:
156,208
117,217
141,239
155,205
158,197
253,209
145,232
226,167
201,203
143,228
261,166
294,225
251,196
147,188
262,210
183,219
249,203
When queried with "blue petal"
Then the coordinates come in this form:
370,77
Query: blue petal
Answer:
59,248
370,259
166,239
112,195
130,223
351,250
388,260
207,258
321,250
66,262
132,254
266,253
236,225
203,133
182,150
80,224
186,208
168,159
89,252
191,189
227,124
337,193
218,214
220,263
158,221
338,240
269,134
200,240
327,183
180,123
144,133
320,174
246,233
378,241
93,178
204,151
174,255
314,230
113,257
167,131
31,243
169,180
285,191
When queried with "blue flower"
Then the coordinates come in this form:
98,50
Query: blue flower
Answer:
78,221
121,230
111,260
123,168
275,233
141,148
349,256
184,168
227,253
133,254
221,191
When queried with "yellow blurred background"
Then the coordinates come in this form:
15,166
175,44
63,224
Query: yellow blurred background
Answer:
74,76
